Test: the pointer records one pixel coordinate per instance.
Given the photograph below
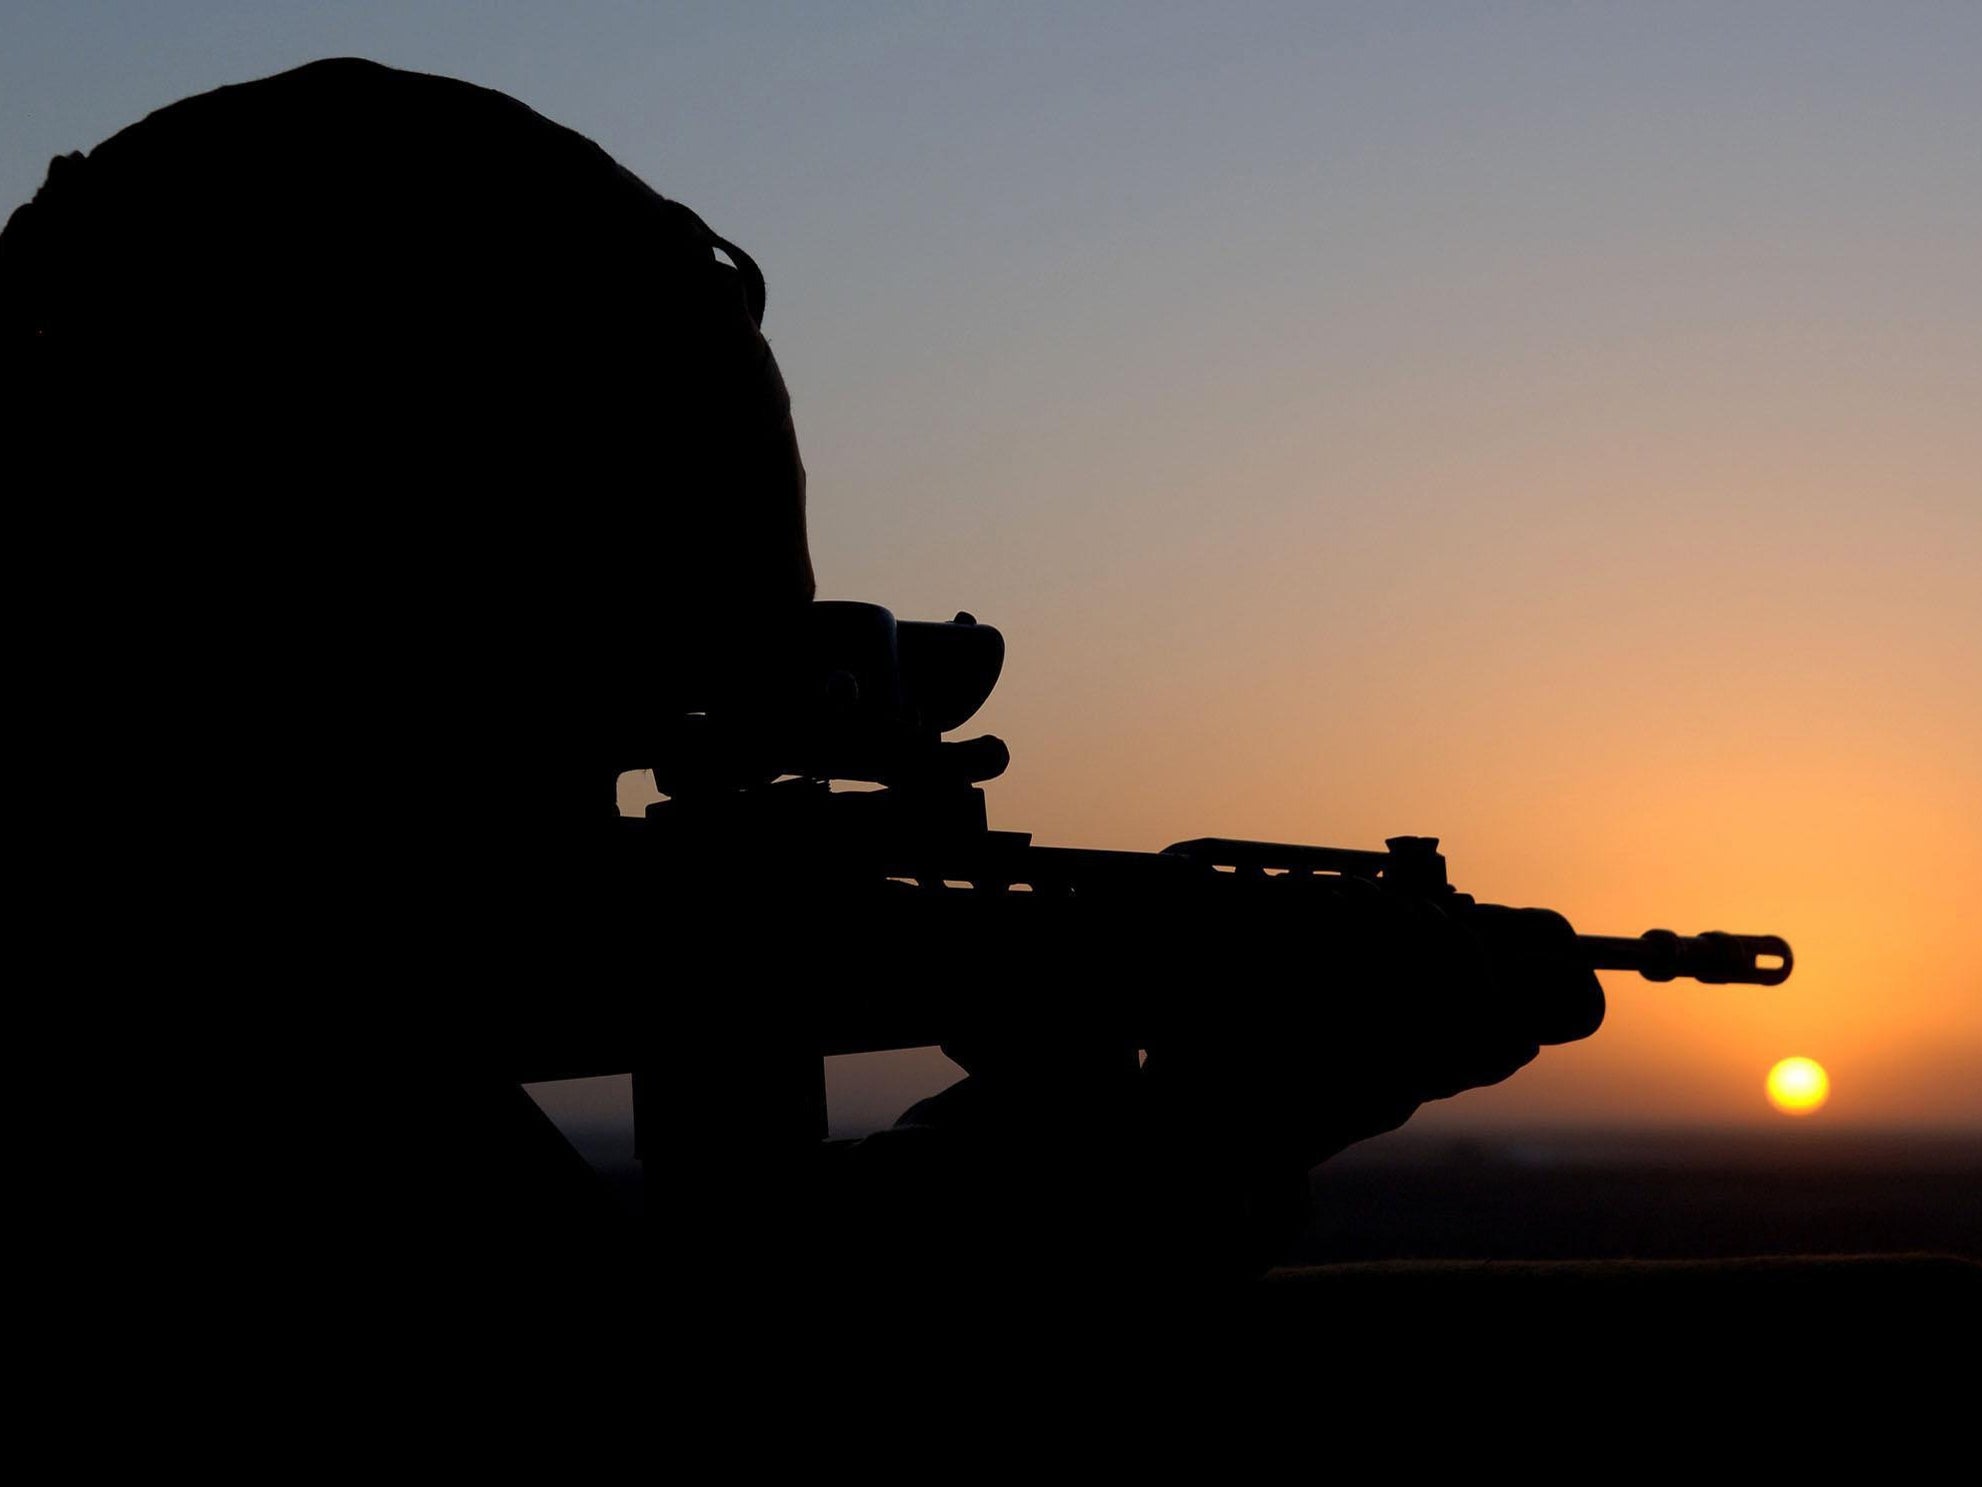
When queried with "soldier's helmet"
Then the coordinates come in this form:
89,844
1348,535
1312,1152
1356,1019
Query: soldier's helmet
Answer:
422,350
351,241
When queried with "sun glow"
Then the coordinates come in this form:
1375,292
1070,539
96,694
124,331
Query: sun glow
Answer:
1798,1086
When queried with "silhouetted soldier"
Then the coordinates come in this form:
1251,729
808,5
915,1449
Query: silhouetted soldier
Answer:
397,460
384,439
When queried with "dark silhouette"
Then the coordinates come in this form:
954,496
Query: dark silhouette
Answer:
393,458
1216,1018
403,471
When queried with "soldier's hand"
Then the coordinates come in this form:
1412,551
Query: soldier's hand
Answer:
1319,1069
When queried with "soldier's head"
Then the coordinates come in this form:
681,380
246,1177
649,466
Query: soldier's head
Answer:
352,315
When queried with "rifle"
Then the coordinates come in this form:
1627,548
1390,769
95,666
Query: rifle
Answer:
940,925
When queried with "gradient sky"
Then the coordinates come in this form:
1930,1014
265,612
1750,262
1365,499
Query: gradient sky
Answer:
1553,428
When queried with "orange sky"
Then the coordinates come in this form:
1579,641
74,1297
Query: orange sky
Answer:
1608,694
1674,732
1550,428
1556,435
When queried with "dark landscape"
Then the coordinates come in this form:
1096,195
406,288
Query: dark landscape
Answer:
1573,1194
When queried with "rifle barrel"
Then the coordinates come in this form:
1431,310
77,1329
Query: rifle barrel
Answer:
1713,957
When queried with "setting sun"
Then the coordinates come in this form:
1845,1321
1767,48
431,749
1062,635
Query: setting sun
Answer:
1798,1086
